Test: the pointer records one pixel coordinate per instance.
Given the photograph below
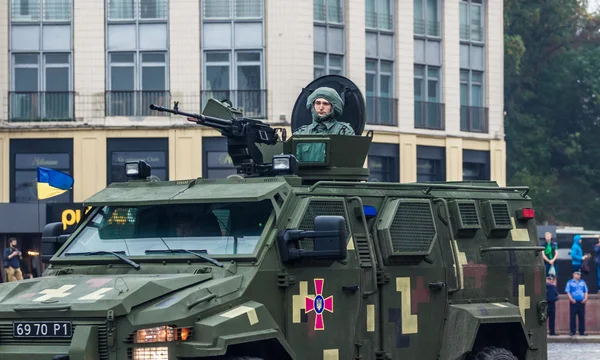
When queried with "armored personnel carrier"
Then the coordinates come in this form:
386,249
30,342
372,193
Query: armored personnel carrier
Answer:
286,260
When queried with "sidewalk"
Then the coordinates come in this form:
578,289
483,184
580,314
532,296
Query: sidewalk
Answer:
590,339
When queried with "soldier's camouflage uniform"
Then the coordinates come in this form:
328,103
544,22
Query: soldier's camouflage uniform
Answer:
322,125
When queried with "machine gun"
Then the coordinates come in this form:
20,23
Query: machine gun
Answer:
243,134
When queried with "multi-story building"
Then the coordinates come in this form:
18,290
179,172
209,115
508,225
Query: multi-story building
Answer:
80,74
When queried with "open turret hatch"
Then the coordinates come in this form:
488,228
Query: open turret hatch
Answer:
342,157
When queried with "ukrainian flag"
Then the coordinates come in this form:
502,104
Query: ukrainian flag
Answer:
52,183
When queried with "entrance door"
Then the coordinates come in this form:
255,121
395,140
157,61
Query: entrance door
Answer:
323,303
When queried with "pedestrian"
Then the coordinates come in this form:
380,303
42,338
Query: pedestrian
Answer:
12,255
550,254
597,251
577,292
552,298
577,256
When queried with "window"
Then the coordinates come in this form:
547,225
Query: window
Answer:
380,54
473,112
233,50
427,17
471,20
44,10
383,163
244,75
328,38
41,87
127,10
476,165
431,163
212,228
429,107
381,105
379,14
429,112
136,80
26,155
137,57
217,163
41,61
154,151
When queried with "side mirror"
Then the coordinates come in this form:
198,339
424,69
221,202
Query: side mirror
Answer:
53,237
329,236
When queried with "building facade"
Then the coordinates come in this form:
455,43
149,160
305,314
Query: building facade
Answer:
81,76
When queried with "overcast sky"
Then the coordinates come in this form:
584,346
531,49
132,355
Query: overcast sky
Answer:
594,5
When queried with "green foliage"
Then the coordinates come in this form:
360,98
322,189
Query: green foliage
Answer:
552,84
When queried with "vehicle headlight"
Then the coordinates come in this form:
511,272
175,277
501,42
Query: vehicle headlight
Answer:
161,334
151,353
284,164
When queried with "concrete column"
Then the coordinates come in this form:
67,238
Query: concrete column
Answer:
408,158
355,42
494,74
89,65
498,161
451,66
289,54
185,55
454,159
404,68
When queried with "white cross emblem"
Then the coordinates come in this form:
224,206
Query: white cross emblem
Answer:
55,293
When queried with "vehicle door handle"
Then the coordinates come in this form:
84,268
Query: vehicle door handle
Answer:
353,288
437,285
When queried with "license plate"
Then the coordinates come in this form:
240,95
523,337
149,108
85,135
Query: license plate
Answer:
42,329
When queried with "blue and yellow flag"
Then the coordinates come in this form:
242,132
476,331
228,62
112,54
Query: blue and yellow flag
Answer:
52,183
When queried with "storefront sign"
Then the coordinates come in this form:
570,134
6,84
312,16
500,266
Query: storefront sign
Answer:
69,214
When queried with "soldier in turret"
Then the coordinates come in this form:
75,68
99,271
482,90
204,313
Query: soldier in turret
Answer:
326,106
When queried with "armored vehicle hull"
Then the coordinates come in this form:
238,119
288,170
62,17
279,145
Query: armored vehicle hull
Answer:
427,272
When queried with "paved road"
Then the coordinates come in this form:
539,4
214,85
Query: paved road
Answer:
557,351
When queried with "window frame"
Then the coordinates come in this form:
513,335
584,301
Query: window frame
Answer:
425,20
327,24
38,146
41,13
469,18
134,144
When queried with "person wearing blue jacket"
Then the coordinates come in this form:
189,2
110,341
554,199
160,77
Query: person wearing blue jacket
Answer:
577,256
552,298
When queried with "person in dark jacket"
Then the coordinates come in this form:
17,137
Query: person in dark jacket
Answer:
552,298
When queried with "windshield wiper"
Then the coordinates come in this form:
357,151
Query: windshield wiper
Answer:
130,262
194,252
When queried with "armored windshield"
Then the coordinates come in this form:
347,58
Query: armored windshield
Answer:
214,228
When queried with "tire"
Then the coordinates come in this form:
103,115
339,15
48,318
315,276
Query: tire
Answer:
494,353
243,358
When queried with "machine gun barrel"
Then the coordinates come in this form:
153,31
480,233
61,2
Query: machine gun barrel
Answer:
214,122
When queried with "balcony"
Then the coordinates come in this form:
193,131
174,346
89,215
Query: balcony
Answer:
429,115
375,20
252,102
382,111
32,10
135,103
41,106
474,119
332,14
427,28
471,33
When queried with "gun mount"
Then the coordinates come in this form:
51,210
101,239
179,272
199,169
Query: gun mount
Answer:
259,150
243,134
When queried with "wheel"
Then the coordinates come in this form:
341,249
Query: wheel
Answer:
494,353
243,358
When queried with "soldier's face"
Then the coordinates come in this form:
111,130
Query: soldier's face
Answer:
322,107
